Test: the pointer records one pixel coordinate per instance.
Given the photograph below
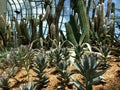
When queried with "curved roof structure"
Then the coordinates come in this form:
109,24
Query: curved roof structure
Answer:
33,8
24,8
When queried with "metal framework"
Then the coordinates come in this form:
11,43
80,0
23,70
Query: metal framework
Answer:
33,8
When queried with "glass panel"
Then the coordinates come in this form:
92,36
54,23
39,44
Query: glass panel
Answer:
8,7
21,1
13,7
11,1
17,5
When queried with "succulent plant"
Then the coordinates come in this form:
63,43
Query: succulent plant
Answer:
58,55
11,72
27,86
79,7
46,14
64,75
25,37
105,51
40,66
78,84
79,52
4,83
69,34
20,57
87,66
66,54
51,60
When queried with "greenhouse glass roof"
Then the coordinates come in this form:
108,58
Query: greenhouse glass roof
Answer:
33,8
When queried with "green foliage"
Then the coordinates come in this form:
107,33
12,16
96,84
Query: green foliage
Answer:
75,34
66,54
51,60
75,27
79,52
80,8
24,32
64,75
59,54
117,39
11,72
70,34
40,66
105,51
4,83
27,86
77,84
88,67
21,57
18,57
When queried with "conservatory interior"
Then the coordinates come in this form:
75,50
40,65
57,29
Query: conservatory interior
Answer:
59,45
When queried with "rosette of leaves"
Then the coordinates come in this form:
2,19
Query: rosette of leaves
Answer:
23,57
58,55
105,51
40,66
4,83
11,72
79,52
19,56
87,66
66,54
51,58
27,86
64,75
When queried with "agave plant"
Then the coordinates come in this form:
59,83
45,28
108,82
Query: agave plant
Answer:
28,60
4,83
58,55
64,75
51,59
66,54
27,86
87,66
79,52
25,56
22,57
40,66
11,72
105,51
77,84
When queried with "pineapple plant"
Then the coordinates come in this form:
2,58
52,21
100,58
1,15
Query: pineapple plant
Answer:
27,86
4,83
40,65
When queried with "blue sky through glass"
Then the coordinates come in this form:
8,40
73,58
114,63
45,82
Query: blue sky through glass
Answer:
64,14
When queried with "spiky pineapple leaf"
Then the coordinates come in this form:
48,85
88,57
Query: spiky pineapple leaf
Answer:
77,84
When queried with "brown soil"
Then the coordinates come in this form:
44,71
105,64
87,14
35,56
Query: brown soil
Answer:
112,78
